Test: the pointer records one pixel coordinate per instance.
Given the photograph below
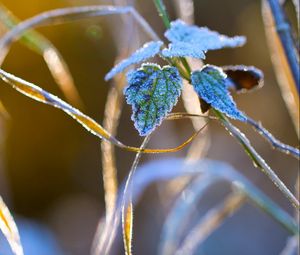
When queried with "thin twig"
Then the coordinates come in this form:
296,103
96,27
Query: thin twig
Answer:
272,140
278,145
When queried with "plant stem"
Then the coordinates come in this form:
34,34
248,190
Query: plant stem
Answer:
257,159
161,8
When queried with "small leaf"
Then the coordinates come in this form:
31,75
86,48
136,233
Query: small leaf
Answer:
243,78
193,41
149,50
152,92
210,84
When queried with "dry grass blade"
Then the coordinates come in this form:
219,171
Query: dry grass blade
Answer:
55,62
105,237
210,222
281,66
3,112
185,10
113,109
34,92
127,208
284,33
64,15
9,229
127,220
111,119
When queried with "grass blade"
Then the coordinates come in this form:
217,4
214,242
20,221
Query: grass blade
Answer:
127,220
9,229
258,160
127,208
64,15
3,112
216,170
34,92
284,33
55,62
180,213
210,222
282,70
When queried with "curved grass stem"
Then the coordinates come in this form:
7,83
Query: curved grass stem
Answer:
257,159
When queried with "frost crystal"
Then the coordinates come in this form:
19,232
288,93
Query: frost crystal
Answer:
149,50
187,40
182,49
210,85
152,91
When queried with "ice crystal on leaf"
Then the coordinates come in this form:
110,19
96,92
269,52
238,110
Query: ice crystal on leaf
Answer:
183,49
149,50
194,41
210,85
152,91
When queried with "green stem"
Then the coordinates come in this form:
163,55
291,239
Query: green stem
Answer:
161,8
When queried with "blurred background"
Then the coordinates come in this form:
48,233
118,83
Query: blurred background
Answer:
50,167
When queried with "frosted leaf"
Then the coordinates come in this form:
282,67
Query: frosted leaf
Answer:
182,49
243,78
210,85
152,92
197,40
149,50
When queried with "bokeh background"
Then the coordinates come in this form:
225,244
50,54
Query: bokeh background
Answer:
50,172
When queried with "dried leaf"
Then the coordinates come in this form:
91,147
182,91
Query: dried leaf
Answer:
9,229
193,41
152,92
149,50
243,78
210,84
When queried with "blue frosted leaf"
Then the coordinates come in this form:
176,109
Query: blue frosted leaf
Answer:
210,85
149,50
197,40
182,49
152,91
